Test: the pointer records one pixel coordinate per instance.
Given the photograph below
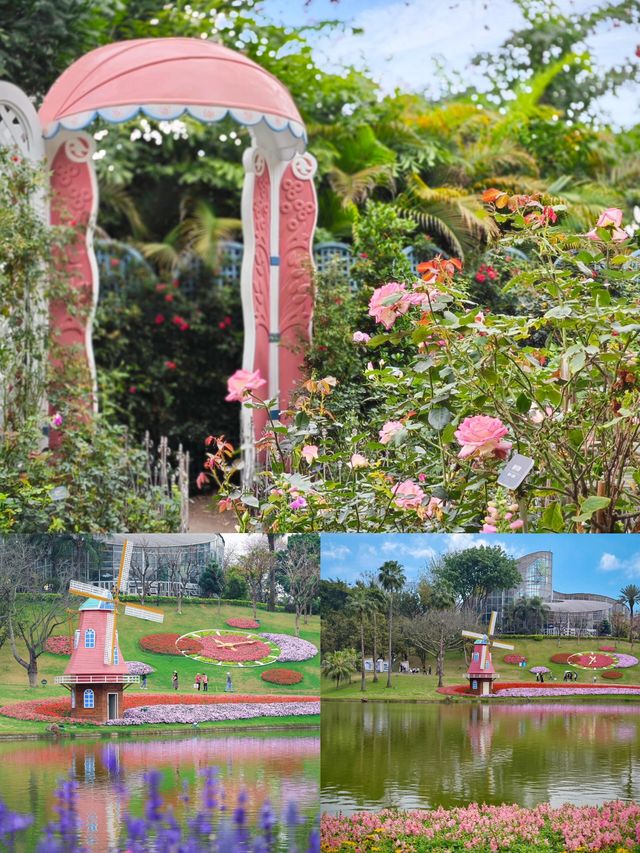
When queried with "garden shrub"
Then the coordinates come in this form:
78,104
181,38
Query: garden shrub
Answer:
282,676
167,644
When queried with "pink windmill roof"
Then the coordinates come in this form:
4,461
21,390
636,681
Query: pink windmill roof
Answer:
163,77
475,667
86,661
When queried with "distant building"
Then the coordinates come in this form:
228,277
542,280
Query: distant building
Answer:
569,613
161,562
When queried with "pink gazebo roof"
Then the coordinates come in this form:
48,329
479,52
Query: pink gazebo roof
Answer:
164,78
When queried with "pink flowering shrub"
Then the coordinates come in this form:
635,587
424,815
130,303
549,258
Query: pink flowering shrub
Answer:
608,828
59,645
455,389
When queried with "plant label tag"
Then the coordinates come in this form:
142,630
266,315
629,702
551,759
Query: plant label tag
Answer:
515,471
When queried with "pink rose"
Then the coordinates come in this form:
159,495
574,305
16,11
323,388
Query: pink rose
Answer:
242,383
482,435
389,430
310,452
488,528
388,302
517,524
408,495
361,337
358,461
610,218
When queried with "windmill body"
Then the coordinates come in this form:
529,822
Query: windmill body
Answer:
97,675
481,673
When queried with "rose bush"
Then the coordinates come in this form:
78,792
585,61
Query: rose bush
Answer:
292,649
59,645
167,644
243,622
454,389
282,676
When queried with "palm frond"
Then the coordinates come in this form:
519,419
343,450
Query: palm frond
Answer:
357,187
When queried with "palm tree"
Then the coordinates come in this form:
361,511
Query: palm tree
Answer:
359,605
392,578
538,612
377,605
630,596
339,664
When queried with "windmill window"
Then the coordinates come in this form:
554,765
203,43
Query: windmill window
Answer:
474,685
116,656
88,699
76,638
90,640
476,657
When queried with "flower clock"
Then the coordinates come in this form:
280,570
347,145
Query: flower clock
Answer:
592,660
232,648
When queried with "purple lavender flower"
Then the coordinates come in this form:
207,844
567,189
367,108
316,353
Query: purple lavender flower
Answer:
292,649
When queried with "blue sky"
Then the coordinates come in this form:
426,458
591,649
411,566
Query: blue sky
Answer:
581,563
403,38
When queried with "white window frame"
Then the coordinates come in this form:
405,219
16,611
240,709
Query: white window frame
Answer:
89,634
89,698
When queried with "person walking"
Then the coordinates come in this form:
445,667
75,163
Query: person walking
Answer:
144,681
174,679
197,681
229,686
205,683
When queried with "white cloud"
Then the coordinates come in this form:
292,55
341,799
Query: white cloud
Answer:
335,552
609,563
460,541
629,567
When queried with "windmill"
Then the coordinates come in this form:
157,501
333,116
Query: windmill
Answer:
97,593
481,673
97,674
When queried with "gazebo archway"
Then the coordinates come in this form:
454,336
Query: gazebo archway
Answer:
166,78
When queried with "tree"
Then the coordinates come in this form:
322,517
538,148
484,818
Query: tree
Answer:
475,572
212,580
182,571
339,665
143,568
28,613
253,567
435,633
301,567
630,596
359,605
272,539
377,607
235,587
392,578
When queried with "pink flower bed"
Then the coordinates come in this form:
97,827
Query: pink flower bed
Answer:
514,659
594,690
136,667
244,651
610,827
591,660
214,713
59,645
623,661
606,648
243,622
292,649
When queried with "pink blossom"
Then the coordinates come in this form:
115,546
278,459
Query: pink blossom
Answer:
298,503
361,337
201,480
488,528
56,420
388,302
479,318
358,461
309,452
241,383
610,218
482,435
390,430
517,524
408,495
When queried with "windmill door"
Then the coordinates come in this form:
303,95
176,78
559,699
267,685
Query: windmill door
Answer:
112,706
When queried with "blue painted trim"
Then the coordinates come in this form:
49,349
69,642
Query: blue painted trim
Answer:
275,414
274,261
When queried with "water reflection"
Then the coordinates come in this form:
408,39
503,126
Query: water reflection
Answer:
423,756
280,768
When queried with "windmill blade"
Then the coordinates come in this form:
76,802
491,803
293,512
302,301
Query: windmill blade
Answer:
87,590
483,657
141,612
125,566
473,635
108,638
492,622
503,646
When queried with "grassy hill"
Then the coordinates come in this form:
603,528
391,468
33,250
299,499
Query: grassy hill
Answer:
537,652
196,615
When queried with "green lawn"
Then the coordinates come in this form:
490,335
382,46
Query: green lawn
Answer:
538,653
195,615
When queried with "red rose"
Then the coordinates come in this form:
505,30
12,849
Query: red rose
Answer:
159,319
170,365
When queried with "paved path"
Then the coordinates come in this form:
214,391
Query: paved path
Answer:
205,518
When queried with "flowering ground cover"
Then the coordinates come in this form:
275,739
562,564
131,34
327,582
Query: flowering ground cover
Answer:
233,648
623,660
59,645
606,648
282,676
214,712
591,660
534,690
612,674
243,622
292,649
170,644
560,658
610,828
514,659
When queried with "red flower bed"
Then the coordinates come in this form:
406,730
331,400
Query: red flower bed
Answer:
606,648
612,673
243,622
167,644
59,710
515,659
560,658
233,648
59,645
591,660
282,676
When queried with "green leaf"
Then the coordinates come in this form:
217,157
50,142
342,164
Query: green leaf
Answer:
590,505
250,500
439,418
523,404
448,434
552,519
558,313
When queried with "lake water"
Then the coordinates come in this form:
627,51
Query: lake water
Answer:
280,767
423,756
